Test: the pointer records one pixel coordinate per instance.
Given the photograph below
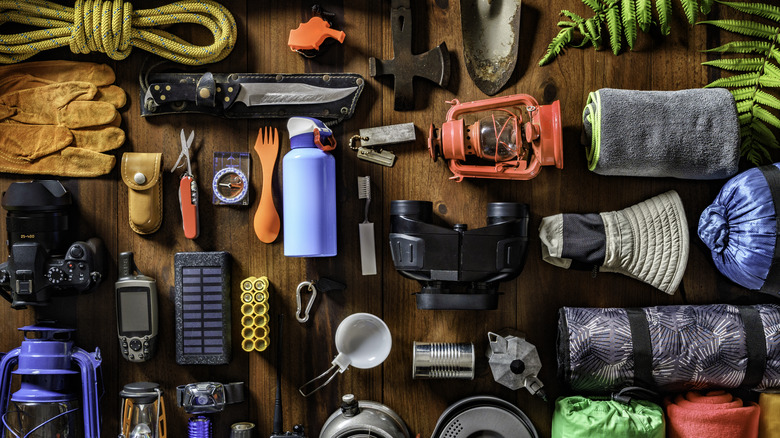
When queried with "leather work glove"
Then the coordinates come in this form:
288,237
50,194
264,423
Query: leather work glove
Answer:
58,117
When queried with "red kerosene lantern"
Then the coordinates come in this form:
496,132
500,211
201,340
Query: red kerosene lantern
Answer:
509,137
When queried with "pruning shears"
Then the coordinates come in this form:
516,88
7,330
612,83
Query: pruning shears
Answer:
188,190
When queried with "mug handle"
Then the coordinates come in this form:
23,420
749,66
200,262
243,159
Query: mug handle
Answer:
340,364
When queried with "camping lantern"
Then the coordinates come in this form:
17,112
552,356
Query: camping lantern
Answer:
508,137
143,411
59,389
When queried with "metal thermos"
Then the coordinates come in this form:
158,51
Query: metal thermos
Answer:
434,360
309,190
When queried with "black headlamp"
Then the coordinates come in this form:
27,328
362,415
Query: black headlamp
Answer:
208,397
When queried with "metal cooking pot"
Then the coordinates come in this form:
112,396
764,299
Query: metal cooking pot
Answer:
484,417
363,419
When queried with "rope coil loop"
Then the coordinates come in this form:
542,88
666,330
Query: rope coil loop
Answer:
114,28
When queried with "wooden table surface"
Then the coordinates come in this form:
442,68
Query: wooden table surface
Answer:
528,304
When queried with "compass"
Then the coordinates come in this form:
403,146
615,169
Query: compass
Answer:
230,186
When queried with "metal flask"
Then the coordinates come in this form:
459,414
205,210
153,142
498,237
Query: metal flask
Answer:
515,363
363,419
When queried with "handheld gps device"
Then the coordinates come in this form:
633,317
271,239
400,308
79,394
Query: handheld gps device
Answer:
136,311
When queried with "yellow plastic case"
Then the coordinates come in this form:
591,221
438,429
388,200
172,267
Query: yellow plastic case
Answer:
254,313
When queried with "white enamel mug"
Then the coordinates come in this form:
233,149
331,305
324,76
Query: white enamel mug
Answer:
362,340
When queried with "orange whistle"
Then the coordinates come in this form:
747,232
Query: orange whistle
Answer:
310,35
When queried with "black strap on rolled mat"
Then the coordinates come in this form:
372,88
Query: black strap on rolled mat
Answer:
771,285
755,340
643,348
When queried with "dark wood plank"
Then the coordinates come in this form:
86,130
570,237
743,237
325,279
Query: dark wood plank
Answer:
528,304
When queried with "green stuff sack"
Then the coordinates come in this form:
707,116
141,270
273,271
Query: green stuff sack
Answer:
582,417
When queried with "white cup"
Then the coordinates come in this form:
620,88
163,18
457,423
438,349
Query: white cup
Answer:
362,340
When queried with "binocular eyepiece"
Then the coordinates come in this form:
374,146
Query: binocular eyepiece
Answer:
443,259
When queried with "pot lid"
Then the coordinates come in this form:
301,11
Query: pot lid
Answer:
484,417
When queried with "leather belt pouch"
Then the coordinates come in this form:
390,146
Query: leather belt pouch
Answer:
141,172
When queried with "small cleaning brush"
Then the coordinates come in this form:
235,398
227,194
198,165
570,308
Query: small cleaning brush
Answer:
366,230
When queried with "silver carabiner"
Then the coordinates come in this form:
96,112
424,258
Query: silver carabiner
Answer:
310,286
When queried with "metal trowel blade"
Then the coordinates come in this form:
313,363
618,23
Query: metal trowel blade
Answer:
491,32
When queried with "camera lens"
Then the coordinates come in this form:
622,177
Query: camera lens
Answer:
417,210
38,212
505,211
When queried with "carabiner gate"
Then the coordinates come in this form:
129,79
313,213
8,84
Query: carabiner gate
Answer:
310,286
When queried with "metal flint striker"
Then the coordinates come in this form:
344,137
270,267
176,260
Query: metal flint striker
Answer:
371,138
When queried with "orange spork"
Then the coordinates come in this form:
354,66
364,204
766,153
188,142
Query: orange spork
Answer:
266,217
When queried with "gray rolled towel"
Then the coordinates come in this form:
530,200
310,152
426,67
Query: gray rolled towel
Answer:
689,134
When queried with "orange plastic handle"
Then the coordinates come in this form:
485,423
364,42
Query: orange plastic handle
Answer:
310,35
189,209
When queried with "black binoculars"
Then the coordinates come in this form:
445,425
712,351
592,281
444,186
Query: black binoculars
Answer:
443,259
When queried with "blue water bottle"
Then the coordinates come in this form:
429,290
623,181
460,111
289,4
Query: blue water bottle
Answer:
309,190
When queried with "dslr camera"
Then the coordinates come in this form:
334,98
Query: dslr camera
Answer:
43,260
443,259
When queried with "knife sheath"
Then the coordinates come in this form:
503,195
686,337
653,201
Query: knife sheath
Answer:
218,94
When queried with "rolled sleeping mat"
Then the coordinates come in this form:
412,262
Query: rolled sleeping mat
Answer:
740,229
713,414
583,417
689,134
670,348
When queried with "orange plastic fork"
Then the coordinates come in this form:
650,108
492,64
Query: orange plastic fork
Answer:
266,217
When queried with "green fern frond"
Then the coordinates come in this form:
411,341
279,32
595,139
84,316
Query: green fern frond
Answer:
763,134
615,30
572,16
744,120
767,99
772,70
743,80
743,27
774,53
766,116
744,106
769,81
628,14
761,9
644,14
706,6
691,8
557,45
592,28
664,8
737,64
742,47
593,4
743,93
754,156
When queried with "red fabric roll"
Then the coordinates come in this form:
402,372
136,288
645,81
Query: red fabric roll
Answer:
714,414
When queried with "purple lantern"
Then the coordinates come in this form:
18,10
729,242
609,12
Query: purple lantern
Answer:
60,387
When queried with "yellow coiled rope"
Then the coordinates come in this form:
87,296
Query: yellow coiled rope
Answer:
112,27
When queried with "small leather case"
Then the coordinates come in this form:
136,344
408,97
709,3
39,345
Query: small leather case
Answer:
142,172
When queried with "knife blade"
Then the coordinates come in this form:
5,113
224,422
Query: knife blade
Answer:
258,94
